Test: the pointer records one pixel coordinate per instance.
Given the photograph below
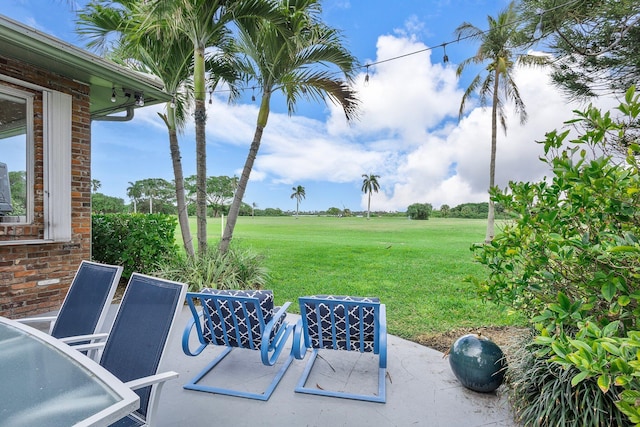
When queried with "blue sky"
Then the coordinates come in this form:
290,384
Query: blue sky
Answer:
408,132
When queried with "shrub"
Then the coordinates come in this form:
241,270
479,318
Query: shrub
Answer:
419,210
570,260
542,394
135,241
233,270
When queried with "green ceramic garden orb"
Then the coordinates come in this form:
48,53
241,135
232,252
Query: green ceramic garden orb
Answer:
477,362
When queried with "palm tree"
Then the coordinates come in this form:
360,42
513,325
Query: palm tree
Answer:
292,58
499,48
168,61
298,194
95,185
369,185
134,192
205,24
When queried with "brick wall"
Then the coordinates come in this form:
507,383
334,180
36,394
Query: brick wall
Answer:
34,278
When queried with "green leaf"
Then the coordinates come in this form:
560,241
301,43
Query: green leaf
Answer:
604,382
610,348
543,340
578,378
581,345
624,300
559,350
611,328
608,291
624,249
564,301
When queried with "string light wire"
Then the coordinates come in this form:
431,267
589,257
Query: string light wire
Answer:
429,48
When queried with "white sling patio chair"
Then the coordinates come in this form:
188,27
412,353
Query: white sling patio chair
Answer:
134,348
86,304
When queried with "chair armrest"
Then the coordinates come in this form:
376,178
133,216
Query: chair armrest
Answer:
298,349
42,319
36,319
187,333
383,336
89,337
157,380
268,329
89,346
275,343
282,311
151,380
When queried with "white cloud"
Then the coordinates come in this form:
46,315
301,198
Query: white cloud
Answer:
408,133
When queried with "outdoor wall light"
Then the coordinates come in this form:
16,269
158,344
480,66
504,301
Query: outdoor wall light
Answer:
139,97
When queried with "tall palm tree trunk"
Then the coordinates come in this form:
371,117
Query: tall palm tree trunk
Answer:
369,206
178,176
200,116
234,210
492,164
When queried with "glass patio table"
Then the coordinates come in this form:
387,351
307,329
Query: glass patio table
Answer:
45,382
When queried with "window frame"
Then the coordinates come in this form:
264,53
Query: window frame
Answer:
56,162
28,97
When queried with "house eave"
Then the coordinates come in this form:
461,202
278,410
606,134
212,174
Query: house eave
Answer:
29,45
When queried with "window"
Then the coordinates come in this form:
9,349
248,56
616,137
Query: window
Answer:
16,134
37,161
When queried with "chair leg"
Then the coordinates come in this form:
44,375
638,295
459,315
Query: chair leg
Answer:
193,384
379,398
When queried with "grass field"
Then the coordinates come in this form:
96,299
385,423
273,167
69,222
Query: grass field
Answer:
417,268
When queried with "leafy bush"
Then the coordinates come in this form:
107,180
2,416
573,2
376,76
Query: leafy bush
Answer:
101,203
135,241
419,210
233,270
570,260
542,394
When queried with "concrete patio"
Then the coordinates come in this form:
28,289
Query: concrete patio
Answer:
421,390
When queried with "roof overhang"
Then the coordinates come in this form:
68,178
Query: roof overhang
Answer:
26,44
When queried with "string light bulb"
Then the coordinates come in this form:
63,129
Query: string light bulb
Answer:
253,95
113,94
210,96
445,58
366,77
173,102
139,97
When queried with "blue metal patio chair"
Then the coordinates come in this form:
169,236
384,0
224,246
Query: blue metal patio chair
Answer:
237,319
343,323
86,304
135,345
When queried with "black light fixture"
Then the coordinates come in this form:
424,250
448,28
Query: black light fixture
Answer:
139,97
173,102
445,58
210,96
113,94
253,95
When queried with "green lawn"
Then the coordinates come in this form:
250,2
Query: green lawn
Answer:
417,268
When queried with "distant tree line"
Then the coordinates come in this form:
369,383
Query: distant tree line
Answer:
470,210
157,195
